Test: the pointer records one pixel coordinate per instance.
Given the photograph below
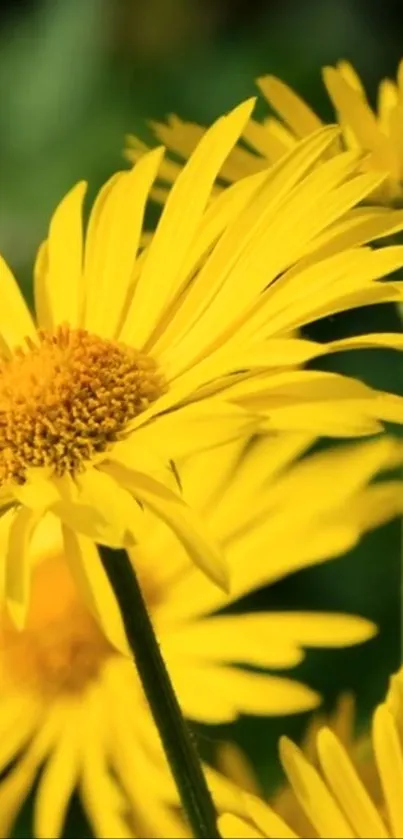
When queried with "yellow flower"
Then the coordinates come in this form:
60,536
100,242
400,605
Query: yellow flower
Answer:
377,134
349,792
72,704
141,356
235,766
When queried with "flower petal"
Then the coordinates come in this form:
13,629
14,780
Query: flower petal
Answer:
96,506
313,794
91,580
61,286
179,222
18,571
292,109
266,820
191,430
58,779
215,694
15,321
109,271
389,760
233,827
347,787
190,530
266,640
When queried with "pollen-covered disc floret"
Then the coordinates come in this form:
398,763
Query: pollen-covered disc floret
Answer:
68,397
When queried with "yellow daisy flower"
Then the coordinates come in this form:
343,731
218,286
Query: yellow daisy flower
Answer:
349,793
139,356
377,133
233,764
72,705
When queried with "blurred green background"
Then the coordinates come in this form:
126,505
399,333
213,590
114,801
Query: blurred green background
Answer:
75,76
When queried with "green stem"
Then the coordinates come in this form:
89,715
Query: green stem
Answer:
176,738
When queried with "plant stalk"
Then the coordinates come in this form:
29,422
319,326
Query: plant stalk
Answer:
179,746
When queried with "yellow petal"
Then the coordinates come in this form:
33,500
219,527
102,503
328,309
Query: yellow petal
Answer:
58,779
15,321
109,274
62,286
359,226
266,640
268,139
313,795
184,522
357,115
233,258
13,792
94,240
266,820
18,571
219,214
348,788
293,110
234,764
323,403
15,787
296,297
195,428
94,585
39,491
42,301
179,222
102,798
215,694
7,518
19,721
389,760
233,827
178,135
359,463
242,640
392,340
95,505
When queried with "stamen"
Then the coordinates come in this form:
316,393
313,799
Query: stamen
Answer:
68,397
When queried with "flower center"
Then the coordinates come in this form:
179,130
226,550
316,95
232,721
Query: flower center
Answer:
61,648
67,398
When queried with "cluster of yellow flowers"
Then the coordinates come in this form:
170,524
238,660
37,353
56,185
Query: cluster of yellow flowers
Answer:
158,401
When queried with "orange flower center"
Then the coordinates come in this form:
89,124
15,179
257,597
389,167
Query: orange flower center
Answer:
61,649
67,398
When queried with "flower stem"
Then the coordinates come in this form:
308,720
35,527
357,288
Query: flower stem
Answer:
177,741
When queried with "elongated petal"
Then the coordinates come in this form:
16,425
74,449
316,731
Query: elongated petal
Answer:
195,428
109,268
357,114
18,571
85,563
58,779
191,531
347,788
293,110
233,827
268,822
97,507
191,190
389,760
267,640
61,286
15,321
312,793
101,794
233,692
